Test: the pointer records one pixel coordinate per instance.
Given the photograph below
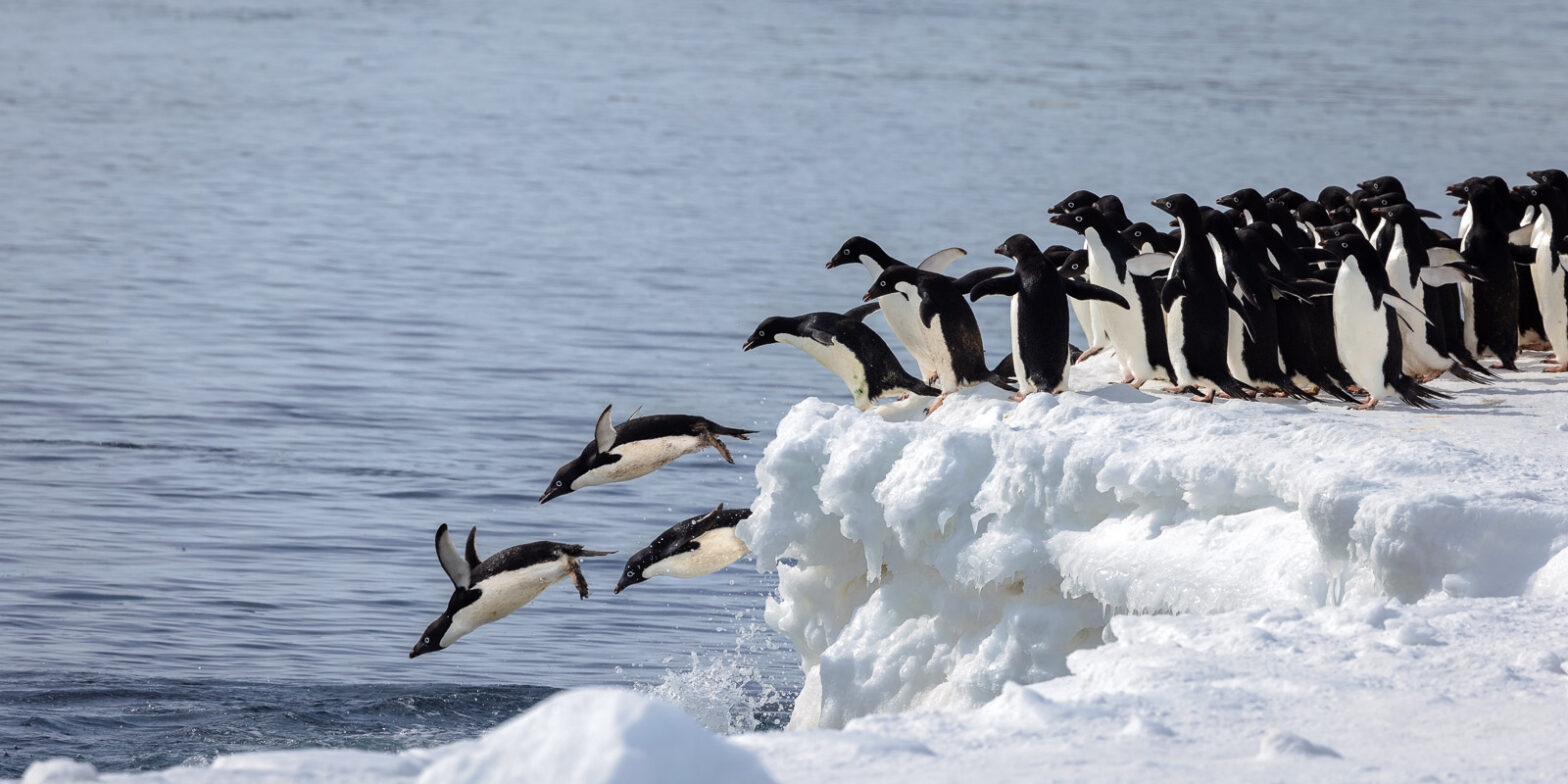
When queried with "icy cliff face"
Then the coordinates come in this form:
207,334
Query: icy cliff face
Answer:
923,564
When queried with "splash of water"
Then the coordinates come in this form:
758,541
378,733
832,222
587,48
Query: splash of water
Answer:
727,693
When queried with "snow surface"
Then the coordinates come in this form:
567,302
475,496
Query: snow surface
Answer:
1237,592
925,564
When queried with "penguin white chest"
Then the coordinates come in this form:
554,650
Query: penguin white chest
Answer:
1025,386
838,358
1175,339
716,549
640,458
1360,330
502,594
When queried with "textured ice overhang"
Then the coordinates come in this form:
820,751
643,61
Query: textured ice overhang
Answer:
925,563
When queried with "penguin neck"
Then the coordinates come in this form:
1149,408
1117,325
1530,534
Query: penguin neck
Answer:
1107,264
872,265
1542,234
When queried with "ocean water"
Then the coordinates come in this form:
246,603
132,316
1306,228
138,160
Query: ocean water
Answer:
288,284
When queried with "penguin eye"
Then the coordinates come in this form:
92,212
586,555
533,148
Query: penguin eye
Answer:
1137,234
1344,244
427,640
1078,219
882,283
557,483
1532,191
1070,205
1167,205
630,573
846,251
761,333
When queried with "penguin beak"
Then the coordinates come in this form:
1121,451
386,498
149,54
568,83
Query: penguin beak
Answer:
552,492
1059,219
870,295
999,251
750,343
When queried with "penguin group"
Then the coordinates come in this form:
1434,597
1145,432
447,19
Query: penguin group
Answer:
1350,295
492,588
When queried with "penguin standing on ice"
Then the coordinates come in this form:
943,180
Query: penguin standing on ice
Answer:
846,346
902,315
1484,245
1419,270
1366,324
1136,332
1548,271
489,590
1041,355
1252,349
948,327
691,548
1196,304
638,446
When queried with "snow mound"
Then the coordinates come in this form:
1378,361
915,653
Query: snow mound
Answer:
1279,744
59,771
924,564
598,735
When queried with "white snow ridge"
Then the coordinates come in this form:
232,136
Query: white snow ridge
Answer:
926,564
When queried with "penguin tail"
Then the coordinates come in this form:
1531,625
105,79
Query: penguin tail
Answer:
1463,356
917,387
577,551
1289,387
1326,385
996,379
733,432
1417,394
1004,369
1236,389
1464,374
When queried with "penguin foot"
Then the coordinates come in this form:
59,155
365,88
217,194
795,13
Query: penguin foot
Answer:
1430,377
1503,366
1563,368
938,404
1209,398
1535,346
1367,406
1128,379
1091,352
1018,398
1355,389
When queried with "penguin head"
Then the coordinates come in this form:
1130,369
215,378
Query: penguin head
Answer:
1385,199
855,247
1074,264
1080,220
1074,201
1384,184
889,281
1549,177
1347,245
1396,212
1175,204
633,573
1019,247
1332,196
434,638
1533,193
566,475
768,332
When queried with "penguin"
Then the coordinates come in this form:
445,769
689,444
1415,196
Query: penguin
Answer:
948,327
1041,354
1305,321
1419,270
1484,245
1252,349
901,314
1548,271
1135,332
846,346
1251,203
489,590
1074,200
1366,324
638,446
691,548
1147,240
1195,301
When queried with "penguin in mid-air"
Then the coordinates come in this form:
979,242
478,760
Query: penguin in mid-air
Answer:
902,315
638,446
691,548
846,346
489,590
949,329
1367,331
1041,355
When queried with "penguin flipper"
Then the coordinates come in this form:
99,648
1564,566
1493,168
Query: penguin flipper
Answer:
1241,309
938,261
1149,263
471,553
967,283
1170,292
1006,286
578,579
1078,289
1444,274
1404,307
454,565
927,307
604,431
860,313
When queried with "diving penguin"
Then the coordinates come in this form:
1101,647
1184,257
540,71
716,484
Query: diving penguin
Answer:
902,315
846,346
638,446
489,590
691,548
